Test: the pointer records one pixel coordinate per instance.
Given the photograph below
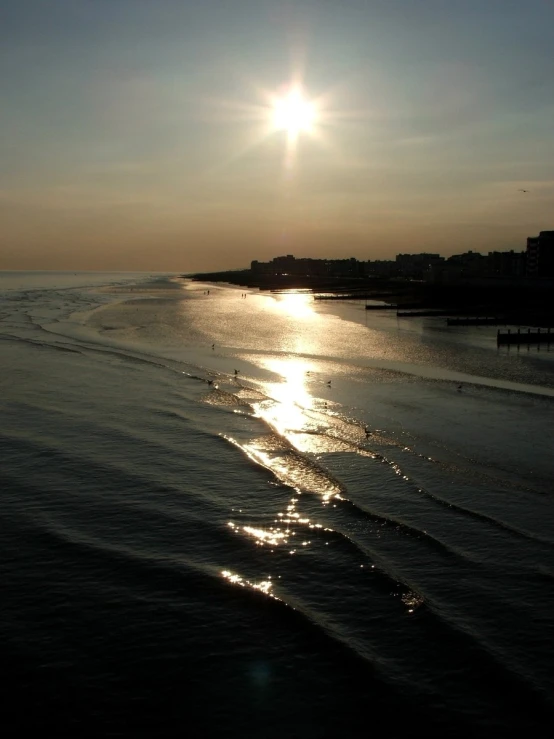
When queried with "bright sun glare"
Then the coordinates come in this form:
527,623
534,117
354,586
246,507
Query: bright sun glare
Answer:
293,113
297,305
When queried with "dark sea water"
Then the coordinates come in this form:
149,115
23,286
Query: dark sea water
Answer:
333,541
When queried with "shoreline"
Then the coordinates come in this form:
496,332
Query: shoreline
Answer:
524,305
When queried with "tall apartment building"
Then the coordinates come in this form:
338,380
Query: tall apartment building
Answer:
540,255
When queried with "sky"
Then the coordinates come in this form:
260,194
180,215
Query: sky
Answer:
140,134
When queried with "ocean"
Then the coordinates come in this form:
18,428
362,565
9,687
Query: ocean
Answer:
237,514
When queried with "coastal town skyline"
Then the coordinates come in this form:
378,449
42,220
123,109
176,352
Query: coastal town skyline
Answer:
535,262
177,136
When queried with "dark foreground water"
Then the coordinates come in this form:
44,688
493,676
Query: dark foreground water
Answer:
334,541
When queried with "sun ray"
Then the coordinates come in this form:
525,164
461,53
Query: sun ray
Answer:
289,112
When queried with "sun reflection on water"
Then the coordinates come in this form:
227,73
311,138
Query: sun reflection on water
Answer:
263,586
290,397
295,304
290,410
287,525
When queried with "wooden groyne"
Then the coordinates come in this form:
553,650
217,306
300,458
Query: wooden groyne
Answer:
400,309
427,312
354,296
525,337
477,321
506,319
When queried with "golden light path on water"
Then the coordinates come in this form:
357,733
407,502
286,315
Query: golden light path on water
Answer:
264,586
302,425
288,407
290,398
296,305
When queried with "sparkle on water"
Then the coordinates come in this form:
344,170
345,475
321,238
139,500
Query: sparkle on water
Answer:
297,305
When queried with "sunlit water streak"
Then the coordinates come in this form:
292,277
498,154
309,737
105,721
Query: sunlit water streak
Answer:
314,534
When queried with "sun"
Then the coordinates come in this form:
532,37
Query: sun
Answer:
293,113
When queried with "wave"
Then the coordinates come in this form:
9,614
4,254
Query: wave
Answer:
226,503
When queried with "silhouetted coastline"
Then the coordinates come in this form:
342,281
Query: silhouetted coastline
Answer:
525,302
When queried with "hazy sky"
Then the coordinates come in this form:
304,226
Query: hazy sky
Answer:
135,134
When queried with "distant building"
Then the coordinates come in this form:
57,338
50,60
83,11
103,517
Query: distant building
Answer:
382,268
506,263
470,267
289,265
468,264
460,268
540,255
417,266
